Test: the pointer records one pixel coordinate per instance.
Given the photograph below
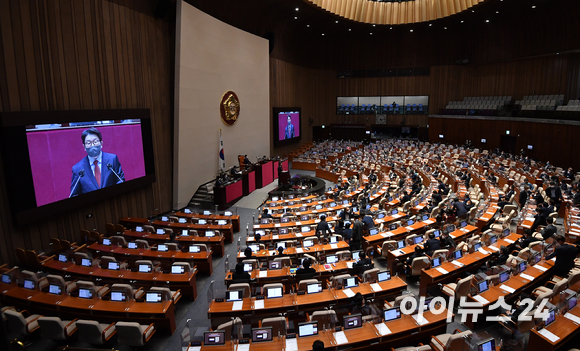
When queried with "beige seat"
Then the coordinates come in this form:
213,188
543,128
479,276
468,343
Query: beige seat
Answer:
186,266
343,255
324,318
97,290
254,262
232,329
371,275
462,287
418,264
440,253
338,280
559,286
39,282
118,240
167,293
95,333
523,326
245,287
303,283
78,257
286,262
130,293
413,348
279,325
148,263
148,228
386,247
133,333
573,278
312,259
4,309
266,287
449,342
54,328
59,280
142,244
19,324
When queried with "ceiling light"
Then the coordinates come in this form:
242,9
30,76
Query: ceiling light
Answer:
391,28
430,24
371,33
444,27
349,29
461,21
534,6
486,21
297,9
496,11
322,33
308,25
374,25
472,10
295,17
411,31
336,22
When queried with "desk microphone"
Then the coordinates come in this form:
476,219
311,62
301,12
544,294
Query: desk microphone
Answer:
110,167
81,174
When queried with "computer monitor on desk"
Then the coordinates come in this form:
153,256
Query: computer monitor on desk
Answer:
486,345
153,296
62,258
352,321
273,293
194,248
54,289
144,268
314,288
132,245
86,262
177,270
217,337
350,282
114,266
118,296
85,293
307,329
392,314
234,295
262,334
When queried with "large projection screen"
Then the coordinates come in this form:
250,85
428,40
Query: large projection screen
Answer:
212,58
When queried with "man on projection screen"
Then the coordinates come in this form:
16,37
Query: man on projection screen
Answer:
98,170
289,131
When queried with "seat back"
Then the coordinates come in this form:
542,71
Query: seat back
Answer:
560,286
233,329
285,261
278,324
118,240
126,288
418,264
459,341
142,244
463,287
148,228
16,322
172,247
78,257
303,283
387,246
573,278
90,331
130,333
245,287
324,318
338,280
53,328
271,286
440,253
370,275
344,255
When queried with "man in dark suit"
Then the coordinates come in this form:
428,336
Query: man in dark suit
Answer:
461,207
432,244
527,239
436,198
369,222
555,194
565,255
98,170
524,196
550,229
322,227
543,211
446,241
357,233
289,131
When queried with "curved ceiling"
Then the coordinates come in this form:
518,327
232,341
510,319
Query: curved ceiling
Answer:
390,12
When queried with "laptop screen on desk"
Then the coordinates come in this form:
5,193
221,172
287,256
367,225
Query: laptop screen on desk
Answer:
425,217
410,222
118,296
307,243
214,338
222,222
331,259
350,282
139,229
106,242
486,345
374,231
144,268
177,270
86,262
400,244
206,213
62,258
551,317
572,300
307,329
504,276
201,221
6,279
356,254
248,267
437,233
314,288
262,334
85,293
160,231
209,233
352,321
29,284
132,245
153,296
482,286
275,265
114,266
274,293
54,289
234,295
392,314
384,275
457,254
436,262
381,216
162,247
392,226
164,219
194,248
182,220
418,240
463,224
228,213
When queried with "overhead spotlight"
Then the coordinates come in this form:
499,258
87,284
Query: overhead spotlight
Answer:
430,24
462,21
371,33
295,17
486,21
391,28
323,34
411,31
534,6
444,27
308,25
472,10
374,25
349,29
496,11
335,21
297,9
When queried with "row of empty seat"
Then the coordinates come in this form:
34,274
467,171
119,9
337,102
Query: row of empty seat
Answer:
573,105
480,103
385,109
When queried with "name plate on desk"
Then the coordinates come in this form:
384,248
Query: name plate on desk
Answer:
298,223
543,269
238,305
441,270
258,304
348,292
383,329
299,250
549,335
340,338
525,276
509,241
481,299
507,288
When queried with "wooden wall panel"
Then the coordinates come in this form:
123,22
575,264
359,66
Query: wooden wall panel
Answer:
88,54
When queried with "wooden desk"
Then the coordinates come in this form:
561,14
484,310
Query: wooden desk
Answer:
402,254
562,327
186,282
378,239
485,218
219,312
470,261
226,196
162,314
226,230
203,260
216,242
235,219
297,251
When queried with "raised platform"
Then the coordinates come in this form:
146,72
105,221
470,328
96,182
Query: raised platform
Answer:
300,185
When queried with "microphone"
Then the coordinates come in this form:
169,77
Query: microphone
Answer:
80,174
110,167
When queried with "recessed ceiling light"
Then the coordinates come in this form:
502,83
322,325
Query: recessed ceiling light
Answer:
557,53
322,33
411,31
486,21
295,17
297,9
430,24
335,21
472,10
349,29
308,25
444,27
391,28
374,25
461,21
534,6
496,11
371,33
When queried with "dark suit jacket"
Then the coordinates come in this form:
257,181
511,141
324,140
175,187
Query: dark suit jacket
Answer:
527,241
88,182
461,208
565,255
523,197
369,222
549,231
431,245
289,131
357,231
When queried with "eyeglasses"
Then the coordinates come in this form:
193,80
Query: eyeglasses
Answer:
96,142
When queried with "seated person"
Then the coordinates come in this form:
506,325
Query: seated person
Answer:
550,229
432,244
280,252
369,222
265,214
418,253
239,274
248,252
363,261
446,240
306,269
499,259
526,239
